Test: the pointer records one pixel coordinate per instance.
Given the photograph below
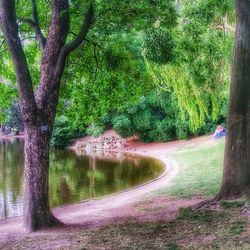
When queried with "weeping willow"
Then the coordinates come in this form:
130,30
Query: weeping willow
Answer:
198,74
193,100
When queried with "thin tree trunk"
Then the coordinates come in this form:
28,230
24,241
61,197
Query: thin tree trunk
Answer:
236,178
37,213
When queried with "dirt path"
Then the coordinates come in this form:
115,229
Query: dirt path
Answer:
116,207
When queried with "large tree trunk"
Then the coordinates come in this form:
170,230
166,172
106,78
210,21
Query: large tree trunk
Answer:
37,213
236,178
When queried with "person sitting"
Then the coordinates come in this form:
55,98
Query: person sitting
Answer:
220,132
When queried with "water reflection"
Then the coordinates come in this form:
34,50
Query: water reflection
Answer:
73,176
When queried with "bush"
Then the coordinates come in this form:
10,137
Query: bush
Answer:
62,132
143,120
123,125
164,131
157,117
95,129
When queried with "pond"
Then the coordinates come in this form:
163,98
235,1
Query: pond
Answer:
73,176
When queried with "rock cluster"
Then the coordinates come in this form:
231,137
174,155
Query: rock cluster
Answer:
104,143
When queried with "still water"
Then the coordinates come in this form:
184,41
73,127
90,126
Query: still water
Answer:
73,176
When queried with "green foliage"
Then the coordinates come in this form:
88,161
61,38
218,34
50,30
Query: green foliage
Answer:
199,74
157,74
62,132
159,46
107,66
207,11
95,129
14,117
7,94
153,118
116,79
123,125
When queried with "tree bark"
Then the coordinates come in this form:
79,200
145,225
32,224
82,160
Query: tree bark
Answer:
236,177
37,212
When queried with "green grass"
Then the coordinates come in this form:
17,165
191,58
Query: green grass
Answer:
200,171
232,204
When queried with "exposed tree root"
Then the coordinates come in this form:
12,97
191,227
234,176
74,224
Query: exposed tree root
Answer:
207,204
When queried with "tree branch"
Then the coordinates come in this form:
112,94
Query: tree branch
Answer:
76,42
83,32
34,24
10,30
2,43
39,34
95,44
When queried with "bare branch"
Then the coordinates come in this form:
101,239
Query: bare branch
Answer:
87,40
96,58
94,44
39,34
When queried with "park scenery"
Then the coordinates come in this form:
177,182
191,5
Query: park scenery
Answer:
124,124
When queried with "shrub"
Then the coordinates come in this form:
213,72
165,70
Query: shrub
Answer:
62,132
95,129
123,125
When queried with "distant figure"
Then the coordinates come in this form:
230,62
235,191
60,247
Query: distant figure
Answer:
220,132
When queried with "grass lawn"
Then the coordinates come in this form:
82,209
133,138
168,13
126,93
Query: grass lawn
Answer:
201,169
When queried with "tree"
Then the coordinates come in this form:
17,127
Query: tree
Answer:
38,108
236,178
38,111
